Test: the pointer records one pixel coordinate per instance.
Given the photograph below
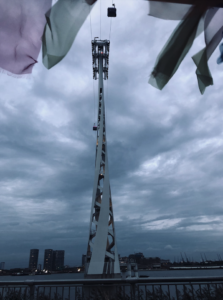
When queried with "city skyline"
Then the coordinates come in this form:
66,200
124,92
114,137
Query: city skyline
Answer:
165,148
53,259
58,259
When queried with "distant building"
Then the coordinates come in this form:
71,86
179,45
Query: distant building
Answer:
33,259
156,266
123,260
39,267
136,258
164,261
2,266
83,259
66,267
48,260
58,259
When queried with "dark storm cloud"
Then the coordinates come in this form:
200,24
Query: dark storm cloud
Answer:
165,149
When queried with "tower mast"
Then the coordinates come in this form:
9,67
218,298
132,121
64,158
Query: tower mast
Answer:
102,256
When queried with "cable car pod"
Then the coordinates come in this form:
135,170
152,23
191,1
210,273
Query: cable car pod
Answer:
112,11
95,128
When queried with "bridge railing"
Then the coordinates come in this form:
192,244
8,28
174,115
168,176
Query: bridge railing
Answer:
190,288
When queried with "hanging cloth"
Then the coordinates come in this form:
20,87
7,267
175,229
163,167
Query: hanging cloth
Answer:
213,36
22,23
64,21
168,11
220,59
177,47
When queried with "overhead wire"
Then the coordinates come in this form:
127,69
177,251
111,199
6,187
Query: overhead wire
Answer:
100,19
110,29
93,79
90,21
110,41
107,80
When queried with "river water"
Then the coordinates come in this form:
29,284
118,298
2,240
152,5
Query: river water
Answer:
152,274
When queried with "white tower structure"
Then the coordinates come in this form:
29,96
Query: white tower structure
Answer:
102,257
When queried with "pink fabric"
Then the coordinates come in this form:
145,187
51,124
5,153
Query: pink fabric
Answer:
21,28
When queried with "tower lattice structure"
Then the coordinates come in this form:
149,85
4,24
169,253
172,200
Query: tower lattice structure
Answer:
102,256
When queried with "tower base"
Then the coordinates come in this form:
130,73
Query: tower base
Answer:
108,271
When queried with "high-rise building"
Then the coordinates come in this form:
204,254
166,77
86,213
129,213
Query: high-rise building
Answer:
58,259
33,258
48,260
2,266
83,259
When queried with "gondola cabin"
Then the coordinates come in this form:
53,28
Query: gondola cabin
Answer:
112,11
95,128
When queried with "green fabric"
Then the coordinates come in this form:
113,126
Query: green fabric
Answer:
175,49
203,73
63,23
213,35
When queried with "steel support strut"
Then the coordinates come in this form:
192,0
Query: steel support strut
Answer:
102,256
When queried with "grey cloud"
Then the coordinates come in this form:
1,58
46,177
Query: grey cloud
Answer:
165,149
168,247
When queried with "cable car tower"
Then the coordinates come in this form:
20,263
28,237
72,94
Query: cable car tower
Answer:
102,256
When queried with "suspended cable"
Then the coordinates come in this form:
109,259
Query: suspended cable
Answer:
100,19
90,21
106,111
93,79
94,100
107,80
100,38
110,30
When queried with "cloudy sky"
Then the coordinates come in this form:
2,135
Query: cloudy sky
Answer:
165,148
